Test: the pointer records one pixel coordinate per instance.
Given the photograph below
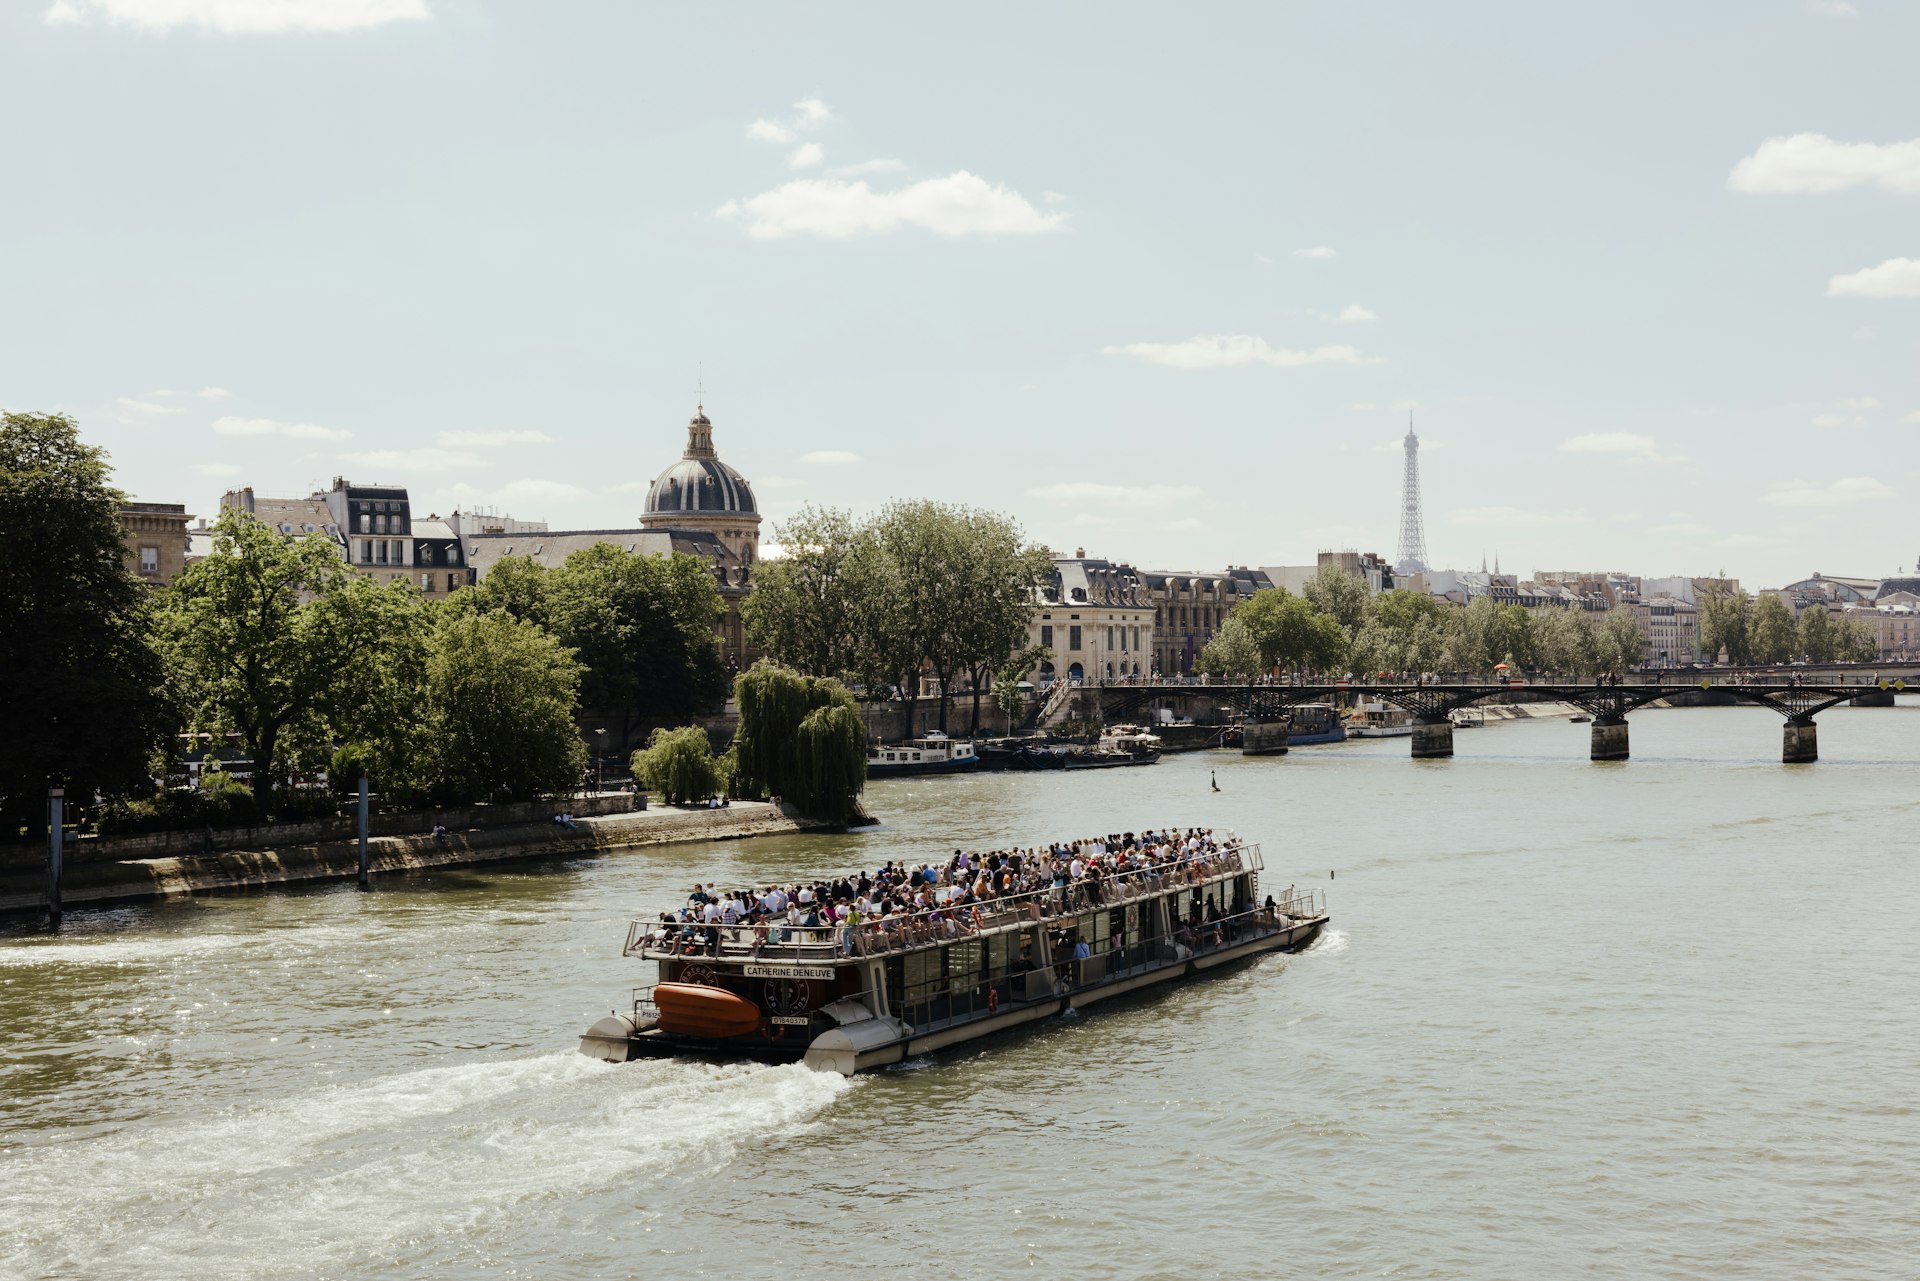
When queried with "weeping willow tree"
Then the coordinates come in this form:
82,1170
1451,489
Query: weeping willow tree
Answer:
800,739
679,764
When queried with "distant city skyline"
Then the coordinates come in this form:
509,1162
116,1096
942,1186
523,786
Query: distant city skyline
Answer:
1161,288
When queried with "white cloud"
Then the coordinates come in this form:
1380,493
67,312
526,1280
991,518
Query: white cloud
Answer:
146,406
1506,517
1354,314
239,16
1073,493
1828,420
1840,493
828,458
217,469
1833,8
1620,444
811,113
1321,252
867,167
269,427
1860,402
957,205
1913,418
768,131
1219,351
1811,162
492,439
421,459
1894,278
807,156
213,393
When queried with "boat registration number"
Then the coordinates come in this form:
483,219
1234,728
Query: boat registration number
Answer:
789,971
791,1020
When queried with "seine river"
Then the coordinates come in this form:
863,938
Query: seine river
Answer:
1656,1019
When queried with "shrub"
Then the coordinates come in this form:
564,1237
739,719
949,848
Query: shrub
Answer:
679,764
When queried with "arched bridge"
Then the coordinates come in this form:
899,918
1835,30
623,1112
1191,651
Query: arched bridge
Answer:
1432,706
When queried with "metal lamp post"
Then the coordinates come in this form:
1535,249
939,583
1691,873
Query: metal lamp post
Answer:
599,743
56,821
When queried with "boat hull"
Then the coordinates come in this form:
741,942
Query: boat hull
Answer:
906,769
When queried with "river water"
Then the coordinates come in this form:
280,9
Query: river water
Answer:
1646,1020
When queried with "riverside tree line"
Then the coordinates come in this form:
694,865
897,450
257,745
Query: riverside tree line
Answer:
275,645
1337,625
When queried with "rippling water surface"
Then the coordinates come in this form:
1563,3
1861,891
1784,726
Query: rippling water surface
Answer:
1645,1020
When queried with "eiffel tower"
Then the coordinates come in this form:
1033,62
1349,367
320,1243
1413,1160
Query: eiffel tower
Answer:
1412,558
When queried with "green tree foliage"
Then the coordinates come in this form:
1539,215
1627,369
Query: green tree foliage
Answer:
920,585
1290,632
1406,631
85,696
800,739
274,638
1617,643
500,695
1771,631
679,764
641,626
1563,643
1232,654
1007,694
1858,641
1816,638
1341,596
805,608
1726,622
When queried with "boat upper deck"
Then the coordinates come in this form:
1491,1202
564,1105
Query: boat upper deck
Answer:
972,895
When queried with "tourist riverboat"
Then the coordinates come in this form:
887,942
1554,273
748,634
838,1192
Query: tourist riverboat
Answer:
1311,723
1380,720
849,998
934,754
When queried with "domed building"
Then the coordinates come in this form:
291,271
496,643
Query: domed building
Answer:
701,492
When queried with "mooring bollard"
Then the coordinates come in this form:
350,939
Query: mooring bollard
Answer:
363,833
56,821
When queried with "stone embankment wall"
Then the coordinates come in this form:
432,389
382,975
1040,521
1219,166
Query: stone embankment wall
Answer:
111,849
145,878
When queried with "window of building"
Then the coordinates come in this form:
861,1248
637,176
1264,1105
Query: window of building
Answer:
1046,635
366,523
1073,638
1109,637
379,524
453,581
399,553
426,555
381,544
149,561
426,582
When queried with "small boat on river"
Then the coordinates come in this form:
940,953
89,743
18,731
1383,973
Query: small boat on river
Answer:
934,754
1312,723
866,991
1380,720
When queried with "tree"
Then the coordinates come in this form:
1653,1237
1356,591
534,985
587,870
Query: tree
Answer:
1815,636
270,634
679,764
1618,645
800,739
1771,631
1000,576
642,628
1232,653
1564,642
1007,694
804,609
1290,632
1726,620
1405,632
1341,596
501,697
85,695
1858,641
927,547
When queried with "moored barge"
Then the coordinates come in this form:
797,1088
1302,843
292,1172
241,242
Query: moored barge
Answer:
866,992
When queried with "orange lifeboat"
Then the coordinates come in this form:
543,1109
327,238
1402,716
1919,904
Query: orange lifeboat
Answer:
694,1009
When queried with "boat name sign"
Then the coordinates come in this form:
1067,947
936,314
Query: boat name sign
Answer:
789,971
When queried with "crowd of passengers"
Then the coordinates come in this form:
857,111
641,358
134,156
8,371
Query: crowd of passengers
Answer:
898,906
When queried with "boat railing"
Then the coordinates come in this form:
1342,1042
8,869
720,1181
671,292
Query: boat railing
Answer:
964,997
927,927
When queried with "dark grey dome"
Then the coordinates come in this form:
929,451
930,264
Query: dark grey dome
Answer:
699,485
699,482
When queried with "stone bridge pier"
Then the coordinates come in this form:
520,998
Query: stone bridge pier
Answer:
1799,743
1432,740
1609,739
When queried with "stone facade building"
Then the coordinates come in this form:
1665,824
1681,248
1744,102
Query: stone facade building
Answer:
1098,619
155,535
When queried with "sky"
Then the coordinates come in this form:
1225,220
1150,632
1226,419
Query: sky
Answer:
1161,282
